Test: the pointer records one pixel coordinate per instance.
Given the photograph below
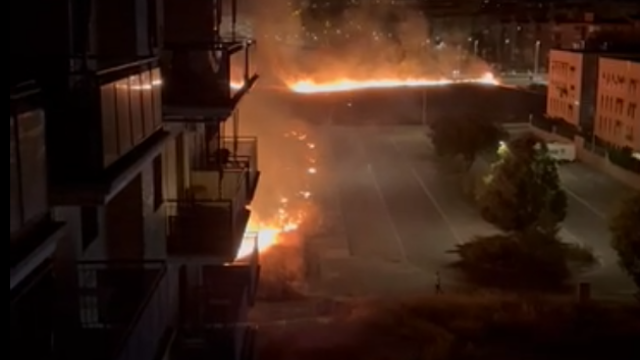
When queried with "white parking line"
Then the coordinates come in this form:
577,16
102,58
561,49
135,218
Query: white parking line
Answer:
396,233
582,201
428,193
337,187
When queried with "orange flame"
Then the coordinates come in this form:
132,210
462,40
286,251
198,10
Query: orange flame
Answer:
262,236
341,85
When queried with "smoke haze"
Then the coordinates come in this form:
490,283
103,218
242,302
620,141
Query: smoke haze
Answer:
367,41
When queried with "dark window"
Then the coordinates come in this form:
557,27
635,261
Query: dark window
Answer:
158,196
154,13
14,189
33,166
90,225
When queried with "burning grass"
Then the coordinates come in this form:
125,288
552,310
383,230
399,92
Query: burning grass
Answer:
497,327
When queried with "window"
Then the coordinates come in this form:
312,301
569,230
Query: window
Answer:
629,134
90,225
633,86
158,196
618,128
631,110
619,106
14,178
32,164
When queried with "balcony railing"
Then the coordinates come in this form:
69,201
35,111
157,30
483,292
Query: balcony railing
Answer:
242,161
125,308
205,84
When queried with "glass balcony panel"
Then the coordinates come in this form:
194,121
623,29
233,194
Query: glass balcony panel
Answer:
148,110
137,121
33,163
156,83
109,124
15,218
124,115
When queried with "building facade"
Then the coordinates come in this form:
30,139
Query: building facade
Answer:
618,112
571,87
128,203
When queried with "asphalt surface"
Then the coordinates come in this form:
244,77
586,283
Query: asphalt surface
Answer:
399,215
593,198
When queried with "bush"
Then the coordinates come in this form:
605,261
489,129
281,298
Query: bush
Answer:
529,261
509,261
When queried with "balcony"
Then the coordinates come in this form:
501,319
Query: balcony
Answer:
208,67
120,131
206,85
126,309
211,217
241,164
216,299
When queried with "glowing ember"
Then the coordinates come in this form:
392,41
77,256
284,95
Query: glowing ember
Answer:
341,85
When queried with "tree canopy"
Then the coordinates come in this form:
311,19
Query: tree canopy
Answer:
464,136
522,192
625,229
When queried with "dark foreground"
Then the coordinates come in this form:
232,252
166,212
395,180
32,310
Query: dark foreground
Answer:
464,328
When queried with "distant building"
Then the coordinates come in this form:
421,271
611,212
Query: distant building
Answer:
617,111
572,87
593,33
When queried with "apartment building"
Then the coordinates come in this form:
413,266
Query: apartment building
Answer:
128,203
618,109
572,87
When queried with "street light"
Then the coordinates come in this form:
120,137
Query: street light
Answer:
536,59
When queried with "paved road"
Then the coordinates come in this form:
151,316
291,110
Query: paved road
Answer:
593,197
393,208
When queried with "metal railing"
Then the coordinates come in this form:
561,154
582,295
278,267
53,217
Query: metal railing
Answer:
225,177
244,151
205,227
132,303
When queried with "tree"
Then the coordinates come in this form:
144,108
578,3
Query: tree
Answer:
522,192
464,136
625,229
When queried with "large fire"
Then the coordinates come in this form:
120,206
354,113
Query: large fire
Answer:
308,86
342,85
